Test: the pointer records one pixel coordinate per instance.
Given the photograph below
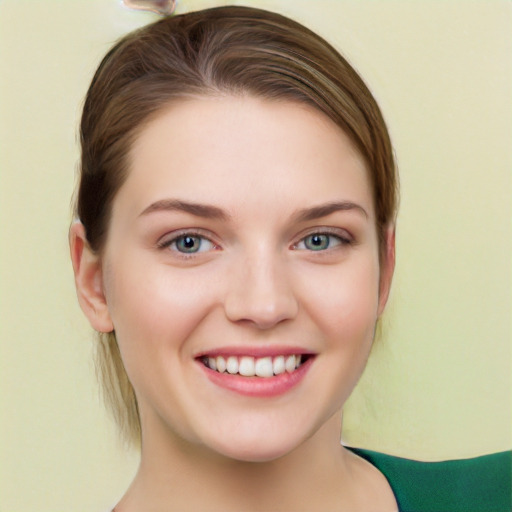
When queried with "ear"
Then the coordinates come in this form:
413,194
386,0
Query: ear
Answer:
387,268
89,280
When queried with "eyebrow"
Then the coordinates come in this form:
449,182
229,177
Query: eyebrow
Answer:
323,210
213,212
197,209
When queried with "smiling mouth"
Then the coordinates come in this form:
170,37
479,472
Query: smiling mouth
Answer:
248,366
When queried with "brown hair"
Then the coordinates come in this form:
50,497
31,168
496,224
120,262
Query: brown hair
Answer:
234,50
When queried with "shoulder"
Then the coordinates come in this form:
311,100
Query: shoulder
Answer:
371,486
476,484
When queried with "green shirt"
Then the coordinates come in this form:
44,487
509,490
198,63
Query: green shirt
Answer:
479,484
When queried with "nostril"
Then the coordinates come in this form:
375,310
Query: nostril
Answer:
260,293
261,313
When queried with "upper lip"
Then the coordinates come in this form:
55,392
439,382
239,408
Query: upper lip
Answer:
254,351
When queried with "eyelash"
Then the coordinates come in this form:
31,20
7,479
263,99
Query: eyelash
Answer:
168,243
342,241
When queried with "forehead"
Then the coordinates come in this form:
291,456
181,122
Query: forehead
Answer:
243,151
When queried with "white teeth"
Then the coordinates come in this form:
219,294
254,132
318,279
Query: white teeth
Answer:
232,364
220,363
249,366
246,366
278,365
263,367
290,364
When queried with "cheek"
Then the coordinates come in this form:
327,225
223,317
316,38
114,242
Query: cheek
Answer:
346,302
155,309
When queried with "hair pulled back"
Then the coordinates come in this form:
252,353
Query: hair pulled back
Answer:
224,50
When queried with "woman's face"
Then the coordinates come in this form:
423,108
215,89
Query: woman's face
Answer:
243,236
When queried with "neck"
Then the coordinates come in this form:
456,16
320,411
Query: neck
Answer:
190,477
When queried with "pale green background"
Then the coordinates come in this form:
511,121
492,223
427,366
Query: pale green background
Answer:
438,384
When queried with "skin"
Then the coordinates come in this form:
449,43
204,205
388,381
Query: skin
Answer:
262,168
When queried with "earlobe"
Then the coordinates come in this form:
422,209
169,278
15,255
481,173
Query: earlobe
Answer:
387,268
89,280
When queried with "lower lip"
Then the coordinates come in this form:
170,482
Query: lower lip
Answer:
259,386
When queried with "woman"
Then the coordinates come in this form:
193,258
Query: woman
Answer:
235,250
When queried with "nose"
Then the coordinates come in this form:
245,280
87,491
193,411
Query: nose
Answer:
260,292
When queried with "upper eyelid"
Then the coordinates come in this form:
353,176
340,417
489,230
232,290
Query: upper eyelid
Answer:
324,230
172,236
165,245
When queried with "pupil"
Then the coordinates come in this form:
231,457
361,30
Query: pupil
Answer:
317,242
189,242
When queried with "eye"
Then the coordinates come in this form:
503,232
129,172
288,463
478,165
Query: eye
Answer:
188,243
320,242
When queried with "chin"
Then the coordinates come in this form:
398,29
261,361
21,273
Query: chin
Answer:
257,448
255,454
